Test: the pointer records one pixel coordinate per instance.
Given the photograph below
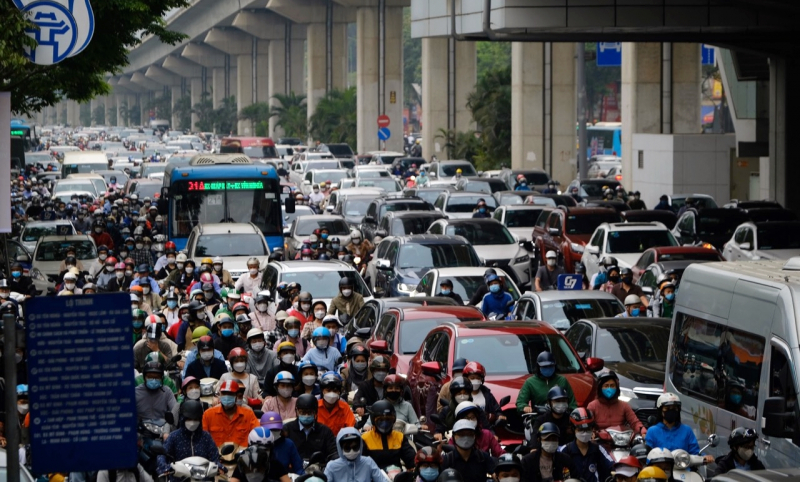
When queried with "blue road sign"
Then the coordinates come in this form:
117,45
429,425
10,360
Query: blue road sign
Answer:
567,282
384,133
80,374
609,54
708,54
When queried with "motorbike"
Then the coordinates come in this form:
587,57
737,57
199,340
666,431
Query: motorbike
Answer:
207,387
152,432
685,462
173,370
195,468
618,440
418,436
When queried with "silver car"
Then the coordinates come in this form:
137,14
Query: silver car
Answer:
304,226
563,308
466,282
767,240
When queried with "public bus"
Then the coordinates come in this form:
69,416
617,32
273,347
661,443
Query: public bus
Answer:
216,188
604,138
252,147
27,133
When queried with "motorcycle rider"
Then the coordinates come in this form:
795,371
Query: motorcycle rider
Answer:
427,464
547,464
393,388
470,461
334,325
324,355
287,356
446,290
385,445
259,359
303,309
670,433
229,422
625,287
507,469
484,438
347,301
237,358
536,387
356,371
307,434
197,317
309,377
547,276
633,308
332,411
626,469
351,464
475,373
258,462
318,311
742,442
497,301
592,462
227,340
283,403
558,405
206,365
663,306
663,459
372,389
223,274
190,440
359,247
19,283
261,317
444,391
153,400
283,448
609,410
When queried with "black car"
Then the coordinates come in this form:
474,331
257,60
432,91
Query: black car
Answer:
489,185
537,178
382,205
618,206
635,348
400,223
667,218
761,215
591,189
343,152
371,312
709,225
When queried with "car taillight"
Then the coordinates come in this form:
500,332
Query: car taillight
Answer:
618,177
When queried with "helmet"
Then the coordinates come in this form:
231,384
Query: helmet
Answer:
459,364
668,399
660,455
260,436
70,276
458,384
545,359
261,297
330,380
243,320
355,234
474,367
305,296
192,409
382,407
379,363
305,364
741,436
582,418
556,392
153,367
465,407
286,346
230,386
240,306
507,462
321,332
200,332
236,352
195,305
640,452
625,272
181,258
428,455
450,475
283,377
608,376
630,461
609,261
548,428
307,401
631,300
345,281
254,332
357,349
205,343
272,421
652,474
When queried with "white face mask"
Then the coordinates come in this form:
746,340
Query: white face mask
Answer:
285,392
309,380
206,355
239,367
319,314
509,479
347,293
253,271
179,265
139,245
146,290
476,385
201,315
462,398
193,393
560,407
69,286
551,262
351,455
261,307
288,359
22,409
170,260
305,306
745,454
331,397
257,346
550,447
192,425
584,437
189,270
120,274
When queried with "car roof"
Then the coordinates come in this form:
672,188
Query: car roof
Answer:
525,207
582,210
555,295
653,226
226,228
429,239
682,196
472,221
320,217
626,322
415,214
314,265
71,237
465,271
401,301
491,328
403,199
681,264
420,312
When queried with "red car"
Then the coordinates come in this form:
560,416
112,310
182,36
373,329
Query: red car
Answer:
401,330
508,350
673,253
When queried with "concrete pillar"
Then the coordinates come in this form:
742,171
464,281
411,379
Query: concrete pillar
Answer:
119,100
781,170
132,105
71,105
263,52
177,93
686,78
527,105
217,86
277,80
563,157
196,93
244,91
317,66
370,105
297,69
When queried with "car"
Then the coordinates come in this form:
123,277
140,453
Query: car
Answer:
767,240
758,215
319,161
74,185
488,185
235,243
120,176
617,205
520,219
304,226
714,226
562,308
66,196
385,158
747,205
702,201
430,193
399,223
615,173
624,241
316,176
559,199
52,250
372,311
673,253
152,169
387,184
508,351
320,278
352,203
400,261
591,189
466,282
402,329
667,218
461,204
495,245
371,171
43,159
600,169
537,178
567,230
515,198
145,188
288,218
636,349
24,473
340,151
35,230
648,279
96,179
446,170
378,208
403,164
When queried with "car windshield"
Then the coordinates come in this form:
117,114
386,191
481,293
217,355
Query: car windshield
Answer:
510,200
35,232
485,186
450,169
638,241
388,159
709,256
413,332
43,159
66,186
261,152
320,164
428,195
330,176
643,343
466,204
779,236
699,203
408,225
354,207
372,173
419,256
147,189
230,245
539,178
516,354
152,167
335,227
325,283
467,286
339,149
288,218
540,201
586,224
720,224
522,218
563,313
388,185
482,234
57,250
404,206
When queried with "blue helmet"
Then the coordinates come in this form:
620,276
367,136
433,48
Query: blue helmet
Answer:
22,390
321,332
283,377
305,364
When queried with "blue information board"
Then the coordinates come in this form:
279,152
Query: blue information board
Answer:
81,386
567,282
707,53
609,54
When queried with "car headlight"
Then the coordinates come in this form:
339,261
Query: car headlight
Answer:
406,288
682,459
37,275
626,394
522,259
576,247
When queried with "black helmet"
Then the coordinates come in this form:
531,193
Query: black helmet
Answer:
382,407
205,343
307,401
275,256
192,409
741,436
450,475
331,381
625,272
459,383
153,367
357,349
556,392
545,359
305,296
378,363
459,364
580,268
640,451
609,261
196,305
243,320
345,282
548,428
262,297
507,462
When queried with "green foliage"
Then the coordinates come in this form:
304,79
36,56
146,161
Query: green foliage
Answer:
183,109
490,104
226,116
493,56
205,113
85,114
119,26
111,115
258,115
124,113
460,145
135,115
161,106
597,80
292,114
99,115
335,118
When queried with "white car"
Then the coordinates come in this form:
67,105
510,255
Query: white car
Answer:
520,218
466,282
235,243
321,278
624,241
766,240
52,250
35,230
461,204
316,176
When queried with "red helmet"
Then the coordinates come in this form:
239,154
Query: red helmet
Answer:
236,352
206,278
474,367
582,418
170,247
306,252
428,455
240,306
111,260
393,380
119,266
230,386
630,461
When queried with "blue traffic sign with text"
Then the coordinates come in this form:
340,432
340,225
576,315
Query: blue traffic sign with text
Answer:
609,54
707,54
384,133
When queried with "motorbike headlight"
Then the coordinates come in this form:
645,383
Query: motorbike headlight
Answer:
206,389
406,288
37,275
576,247
522,259
682,459
621,439
198,472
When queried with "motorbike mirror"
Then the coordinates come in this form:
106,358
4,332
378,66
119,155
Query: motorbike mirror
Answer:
504,401
445,403
713,440
174,359
157,448
380,346
435,418
652,420
227,449
364,333
170,419
339,360
500,423
316,458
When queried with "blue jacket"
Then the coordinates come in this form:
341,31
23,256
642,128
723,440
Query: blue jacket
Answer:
496,303
183,443
323,358
362,469
285,451
678,437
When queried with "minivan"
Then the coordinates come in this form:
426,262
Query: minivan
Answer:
83,162
734,353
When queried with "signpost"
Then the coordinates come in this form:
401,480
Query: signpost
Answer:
384,133
609,54
80,363
707,54
384,121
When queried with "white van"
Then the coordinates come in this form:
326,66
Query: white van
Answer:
83,162
734,354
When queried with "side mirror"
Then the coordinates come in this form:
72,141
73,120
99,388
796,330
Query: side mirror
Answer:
432,369
369,219
595,364
227,449
289,204
746,246
169,418
504,401
652,420
522,240
713,440
329,208
595,250
381,346
554,232
383,264
364,332
778,422
24,258
381,233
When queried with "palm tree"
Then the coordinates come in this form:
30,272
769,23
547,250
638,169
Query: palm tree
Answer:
335,119
291,113
490,104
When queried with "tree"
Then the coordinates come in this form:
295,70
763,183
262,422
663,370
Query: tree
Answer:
124,113
258,115
111,115
205,113
226,116
493,56
460,145
135,115
597,81
161,106
412,62
183,109
119,26
335,118
85,114
292,115
490,104
99,115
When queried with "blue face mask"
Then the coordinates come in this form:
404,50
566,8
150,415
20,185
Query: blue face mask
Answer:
227,332
335,246
306,420
445,292
16,274
482,210
153,384
635,312
324,235
227,401
670,296
609,392
138,324
547,372
293,333
495,288
172,304
735,398
429,473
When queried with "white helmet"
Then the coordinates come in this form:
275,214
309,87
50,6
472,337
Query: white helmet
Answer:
260,436
70,276
632,300
660,455
668,399
217,260
181,258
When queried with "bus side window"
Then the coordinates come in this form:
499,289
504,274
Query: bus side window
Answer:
781,383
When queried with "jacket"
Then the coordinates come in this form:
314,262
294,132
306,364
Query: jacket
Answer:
340,417
535,388
344,305
388,449
184,443
727,462
275,404
492,409
198,370
474,469
362,469
496,303
224,429
323,358
453,296
563,468
595,466
608,413
318,439
678,437
486,441
286,452
566,430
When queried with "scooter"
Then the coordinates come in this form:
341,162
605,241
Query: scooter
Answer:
684,462
152,432
618,440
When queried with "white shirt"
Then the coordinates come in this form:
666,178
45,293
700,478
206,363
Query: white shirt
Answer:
316,197
479,400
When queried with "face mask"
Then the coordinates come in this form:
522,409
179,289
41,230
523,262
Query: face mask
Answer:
201,315
609,392
613,279
462,398
465,441
635,312
380,376
359,366
139,246
227,332
670,296
227,401
321,344
319,314
583,436
276,434
189,270
331,397
309,380
128,273
22,409
69,286
560,407
109,269
305,306
316,191
171,304
495,288
429,474
482,210
744,454
627,280
293,333
153,384
129,246
179,265
347,293
98,230
476,385
547,372
446,292
193,394
550,447
137,325
736,398
146,290
285,392
335,246
185,317
257,346
206,355
170,260
551,262
218,267
120,274
192,425
351,455
253,272
672,416
239,367
393,396
306,420
261,307
288,359
103,257
123,254
509,479
356,241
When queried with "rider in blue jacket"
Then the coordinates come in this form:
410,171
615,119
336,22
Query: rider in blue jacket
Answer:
497,300
670,433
